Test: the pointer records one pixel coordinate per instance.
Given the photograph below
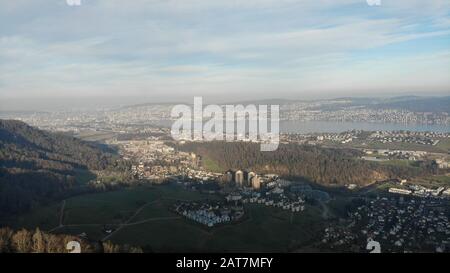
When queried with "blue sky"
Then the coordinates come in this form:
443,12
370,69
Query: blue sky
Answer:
175,49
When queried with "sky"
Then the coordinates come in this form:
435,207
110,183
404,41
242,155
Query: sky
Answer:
172,50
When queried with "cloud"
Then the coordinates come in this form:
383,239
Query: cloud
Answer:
167,47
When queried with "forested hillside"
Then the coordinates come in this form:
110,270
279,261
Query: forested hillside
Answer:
322,165
38,166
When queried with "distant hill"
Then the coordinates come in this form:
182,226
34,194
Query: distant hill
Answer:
36,165
410,103
274,101
416,104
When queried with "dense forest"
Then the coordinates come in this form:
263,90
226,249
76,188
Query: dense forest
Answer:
37,241
38,166
325,166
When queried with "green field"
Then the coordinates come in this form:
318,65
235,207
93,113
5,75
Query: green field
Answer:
264,230
211,165
43,217
146,221
444,144
434,181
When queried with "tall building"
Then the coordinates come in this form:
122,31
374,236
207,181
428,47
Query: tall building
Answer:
229,176
239,177
256,182
250,175
199,162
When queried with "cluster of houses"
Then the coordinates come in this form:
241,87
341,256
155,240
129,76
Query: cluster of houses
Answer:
345,137
160,162
421,191
319,138
399,224
442,163
209,213
275,194
200,175
279,201
396,154
408,139
154,160
340,238
406,224
279,193
424,138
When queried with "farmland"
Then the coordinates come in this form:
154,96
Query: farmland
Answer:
140,216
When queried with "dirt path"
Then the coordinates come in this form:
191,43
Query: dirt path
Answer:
129,219
61,214
120,226
61,217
